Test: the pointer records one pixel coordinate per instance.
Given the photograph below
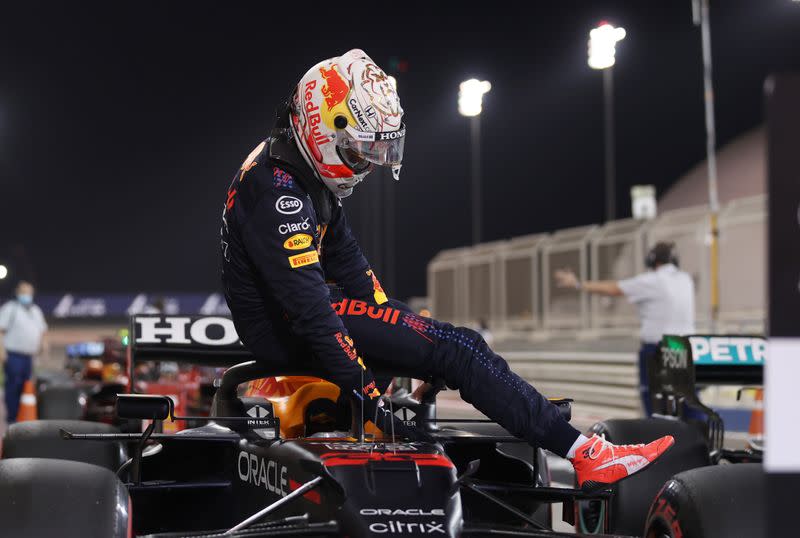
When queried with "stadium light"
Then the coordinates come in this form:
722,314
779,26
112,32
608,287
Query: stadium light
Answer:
470,96
3,272
602,51
470,104
603,45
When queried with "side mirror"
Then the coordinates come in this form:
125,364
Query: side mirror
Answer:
143,406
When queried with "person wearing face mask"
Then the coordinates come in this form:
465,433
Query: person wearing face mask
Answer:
23,333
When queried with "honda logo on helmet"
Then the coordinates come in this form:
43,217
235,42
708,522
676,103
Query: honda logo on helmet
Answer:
392,135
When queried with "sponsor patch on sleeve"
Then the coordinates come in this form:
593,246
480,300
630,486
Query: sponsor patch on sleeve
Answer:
298,242
379,294
306,258
282,178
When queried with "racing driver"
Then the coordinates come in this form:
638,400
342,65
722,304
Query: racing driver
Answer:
285,237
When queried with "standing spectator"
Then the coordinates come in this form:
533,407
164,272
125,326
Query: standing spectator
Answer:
664,296
23,333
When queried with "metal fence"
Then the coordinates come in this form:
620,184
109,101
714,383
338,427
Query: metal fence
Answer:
563,308
519,305
743,255
510,283
445,290
482,267
617,252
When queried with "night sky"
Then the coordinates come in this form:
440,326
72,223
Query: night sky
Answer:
122,124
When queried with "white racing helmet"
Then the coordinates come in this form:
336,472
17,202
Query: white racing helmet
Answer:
346,118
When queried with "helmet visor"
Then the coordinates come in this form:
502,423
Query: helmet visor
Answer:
381,148
353,160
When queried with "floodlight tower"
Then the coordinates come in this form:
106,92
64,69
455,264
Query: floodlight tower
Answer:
602,51
470,104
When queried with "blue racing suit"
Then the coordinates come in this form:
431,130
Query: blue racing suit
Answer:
284,238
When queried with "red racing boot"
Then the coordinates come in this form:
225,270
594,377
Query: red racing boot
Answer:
599,463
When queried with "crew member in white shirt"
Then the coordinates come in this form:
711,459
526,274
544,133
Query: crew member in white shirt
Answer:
664,297
23,335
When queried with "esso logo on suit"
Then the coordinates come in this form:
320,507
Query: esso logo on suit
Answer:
288,205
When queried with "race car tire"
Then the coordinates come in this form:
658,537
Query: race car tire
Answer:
711,502
60,402
42,439
46,497
633,496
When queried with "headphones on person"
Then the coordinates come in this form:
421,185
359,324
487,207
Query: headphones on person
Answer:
662,253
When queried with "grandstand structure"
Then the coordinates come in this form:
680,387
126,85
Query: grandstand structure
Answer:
568,342
510,283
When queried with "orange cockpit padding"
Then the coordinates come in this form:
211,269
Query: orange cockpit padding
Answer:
270,387
290,396
292,410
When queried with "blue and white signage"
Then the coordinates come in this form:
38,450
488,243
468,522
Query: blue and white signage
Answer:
728,350
122,305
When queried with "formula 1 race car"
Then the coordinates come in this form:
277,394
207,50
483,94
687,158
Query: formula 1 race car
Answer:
86,388
96,371
242,474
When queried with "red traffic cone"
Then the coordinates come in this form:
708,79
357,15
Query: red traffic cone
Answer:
757,418
27,403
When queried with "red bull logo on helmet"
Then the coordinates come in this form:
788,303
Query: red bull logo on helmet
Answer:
335,89
312,113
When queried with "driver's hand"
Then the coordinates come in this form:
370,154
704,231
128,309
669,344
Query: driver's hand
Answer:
565,278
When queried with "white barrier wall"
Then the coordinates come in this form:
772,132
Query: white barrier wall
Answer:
563,308
743,255
616,252
510,283
482,273
446,295
520,284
